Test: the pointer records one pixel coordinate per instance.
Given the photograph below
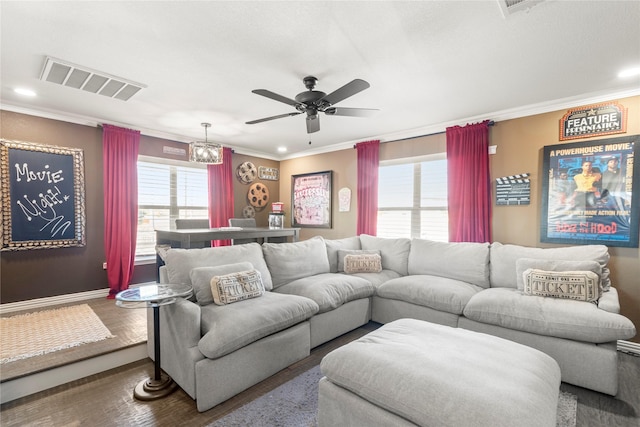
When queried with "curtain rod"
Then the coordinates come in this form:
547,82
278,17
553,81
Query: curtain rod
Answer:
491,123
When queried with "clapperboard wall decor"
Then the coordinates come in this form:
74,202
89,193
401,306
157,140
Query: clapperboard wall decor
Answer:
513,190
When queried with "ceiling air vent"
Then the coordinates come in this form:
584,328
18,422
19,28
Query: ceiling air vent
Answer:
78,77
509,7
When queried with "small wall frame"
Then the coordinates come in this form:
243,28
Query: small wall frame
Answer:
43,198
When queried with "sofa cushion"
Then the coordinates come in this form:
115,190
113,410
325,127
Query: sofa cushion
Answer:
226,328
377,279
464,261
180,262
333,246
201,279
575,285
523,264
342,253
439,293
394,252
555,317
238,286
291,261
503,259
329,290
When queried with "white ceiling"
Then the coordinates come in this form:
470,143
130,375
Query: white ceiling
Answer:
431,64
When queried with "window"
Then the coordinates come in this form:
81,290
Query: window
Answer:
412,198
167,190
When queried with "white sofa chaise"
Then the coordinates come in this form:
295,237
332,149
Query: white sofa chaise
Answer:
215,351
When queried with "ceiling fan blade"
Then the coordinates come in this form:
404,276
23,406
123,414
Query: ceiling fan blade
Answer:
276,97
313,124
353,112
266,119
346,91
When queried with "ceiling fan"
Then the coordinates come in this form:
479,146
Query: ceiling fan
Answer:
314,101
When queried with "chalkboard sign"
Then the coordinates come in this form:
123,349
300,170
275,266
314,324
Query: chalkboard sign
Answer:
42,196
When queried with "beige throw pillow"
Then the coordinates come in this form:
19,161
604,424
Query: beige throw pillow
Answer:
234,287
344,252
362,263
576,285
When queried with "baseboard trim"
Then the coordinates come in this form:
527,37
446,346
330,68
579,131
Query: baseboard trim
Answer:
25,386
629,347
48,301
58,299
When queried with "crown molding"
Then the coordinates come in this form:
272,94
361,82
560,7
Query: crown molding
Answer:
497,116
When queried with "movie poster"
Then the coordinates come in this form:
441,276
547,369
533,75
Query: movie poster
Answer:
311,200
591,192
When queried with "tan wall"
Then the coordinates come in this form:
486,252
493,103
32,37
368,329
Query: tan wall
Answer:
519,149
343,165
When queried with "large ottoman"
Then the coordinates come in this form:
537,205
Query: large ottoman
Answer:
410,372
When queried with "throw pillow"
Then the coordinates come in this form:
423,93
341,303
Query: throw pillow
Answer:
362,263
523,264
576,285
236,287
201,279
342,253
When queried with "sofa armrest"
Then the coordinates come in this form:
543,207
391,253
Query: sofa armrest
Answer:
180,323
179,336
609,301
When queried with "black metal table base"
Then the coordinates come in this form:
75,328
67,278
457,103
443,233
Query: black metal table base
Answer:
151,389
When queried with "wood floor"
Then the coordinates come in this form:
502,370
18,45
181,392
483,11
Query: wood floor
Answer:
127,325
106,399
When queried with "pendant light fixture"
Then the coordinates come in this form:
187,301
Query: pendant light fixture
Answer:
205,152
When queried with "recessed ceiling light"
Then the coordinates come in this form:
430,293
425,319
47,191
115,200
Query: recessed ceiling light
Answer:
25,92
629,72
282,149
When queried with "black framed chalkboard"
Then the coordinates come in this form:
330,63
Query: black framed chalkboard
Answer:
42,196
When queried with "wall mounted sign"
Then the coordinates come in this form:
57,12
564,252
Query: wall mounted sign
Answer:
270,174
311,200
590,192
513,190
175,151
344,200
42,196
593,120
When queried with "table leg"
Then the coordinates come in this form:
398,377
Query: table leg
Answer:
161,384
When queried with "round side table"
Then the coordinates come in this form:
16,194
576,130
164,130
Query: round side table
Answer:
153,296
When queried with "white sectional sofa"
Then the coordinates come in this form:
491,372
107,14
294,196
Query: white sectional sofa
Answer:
216,351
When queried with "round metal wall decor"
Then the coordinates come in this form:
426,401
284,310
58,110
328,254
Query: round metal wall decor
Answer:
258,195
248,212
246,172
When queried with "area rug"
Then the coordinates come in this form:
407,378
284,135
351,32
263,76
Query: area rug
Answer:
42,332
295,404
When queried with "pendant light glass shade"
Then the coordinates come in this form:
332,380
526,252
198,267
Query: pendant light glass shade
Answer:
205,151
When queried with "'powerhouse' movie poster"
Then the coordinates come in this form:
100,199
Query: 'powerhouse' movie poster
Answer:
590,193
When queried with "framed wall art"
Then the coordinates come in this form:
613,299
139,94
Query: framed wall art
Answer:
591,192
311,200
43,200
